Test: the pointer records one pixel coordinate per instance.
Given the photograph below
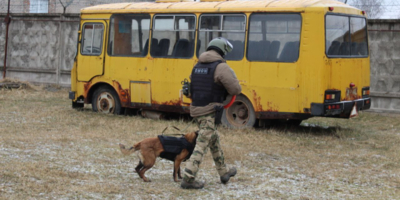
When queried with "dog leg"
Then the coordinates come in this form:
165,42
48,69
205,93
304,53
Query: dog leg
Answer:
177,166
141,174
139,167
175,173
179,173
147,163
177,170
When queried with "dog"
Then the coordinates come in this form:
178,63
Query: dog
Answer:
151,148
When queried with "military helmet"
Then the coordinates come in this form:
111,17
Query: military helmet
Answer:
221,43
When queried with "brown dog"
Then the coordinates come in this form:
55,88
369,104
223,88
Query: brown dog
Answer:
151,148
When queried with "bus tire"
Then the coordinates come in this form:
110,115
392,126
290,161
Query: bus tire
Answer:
240,115
105,100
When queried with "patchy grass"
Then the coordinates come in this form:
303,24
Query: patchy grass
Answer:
49,150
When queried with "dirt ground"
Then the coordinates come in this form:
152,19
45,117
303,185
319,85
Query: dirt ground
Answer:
50,151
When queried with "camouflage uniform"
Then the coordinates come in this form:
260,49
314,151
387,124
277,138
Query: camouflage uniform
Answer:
208,137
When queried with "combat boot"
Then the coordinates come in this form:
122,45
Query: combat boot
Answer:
192,185
225,178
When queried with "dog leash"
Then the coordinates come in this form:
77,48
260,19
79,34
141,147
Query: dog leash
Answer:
162,133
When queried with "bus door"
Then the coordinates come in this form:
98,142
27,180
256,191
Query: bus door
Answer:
91,56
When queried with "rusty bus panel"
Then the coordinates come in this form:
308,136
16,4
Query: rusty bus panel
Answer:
259,107
86,89
169,106
123,94
257,101
140,93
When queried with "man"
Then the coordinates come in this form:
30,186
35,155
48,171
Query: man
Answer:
212,80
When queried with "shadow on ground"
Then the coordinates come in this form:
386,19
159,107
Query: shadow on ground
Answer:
305,128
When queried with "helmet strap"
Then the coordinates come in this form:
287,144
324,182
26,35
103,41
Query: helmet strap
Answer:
218,50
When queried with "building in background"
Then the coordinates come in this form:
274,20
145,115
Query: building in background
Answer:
28,6
39,6
53,6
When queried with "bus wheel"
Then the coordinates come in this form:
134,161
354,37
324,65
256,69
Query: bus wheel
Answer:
240,115
105,100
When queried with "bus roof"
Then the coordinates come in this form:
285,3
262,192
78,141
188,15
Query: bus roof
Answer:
185,6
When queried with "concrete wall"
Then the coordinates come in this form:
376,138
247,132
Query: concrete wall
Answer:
2,41
41,48
384,42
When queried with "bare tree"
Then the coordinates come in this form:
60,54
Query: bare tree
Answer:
67,3
372,7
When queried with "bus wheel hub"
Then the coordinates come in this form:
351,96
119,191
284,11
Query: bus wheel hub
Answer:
238,114
105,103
242,113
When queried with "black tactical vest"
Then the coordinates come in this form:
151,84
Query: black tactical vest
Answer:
203,88
174,146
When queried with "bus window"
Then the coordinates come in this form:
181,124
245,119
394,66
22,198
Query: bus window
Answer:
358,29
129,35
173,36
274,37
92,40
229,26
337,35
346,36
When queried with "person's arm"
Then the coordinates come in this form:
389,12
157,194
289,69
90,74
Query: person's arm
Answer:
227,77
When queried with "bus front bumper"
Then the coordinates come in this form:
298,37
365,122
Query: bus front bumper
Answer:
342,109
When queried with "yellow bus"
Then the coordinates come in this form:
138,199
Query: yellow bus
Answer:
294,59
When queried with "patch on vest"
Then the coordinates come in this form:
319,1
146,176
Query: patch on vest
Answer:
201,70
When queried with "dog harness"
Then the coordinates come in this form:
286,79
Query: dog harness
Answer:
174,146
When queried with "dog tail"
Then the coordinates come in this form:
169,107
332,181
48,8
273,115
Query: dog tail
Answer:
130,150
